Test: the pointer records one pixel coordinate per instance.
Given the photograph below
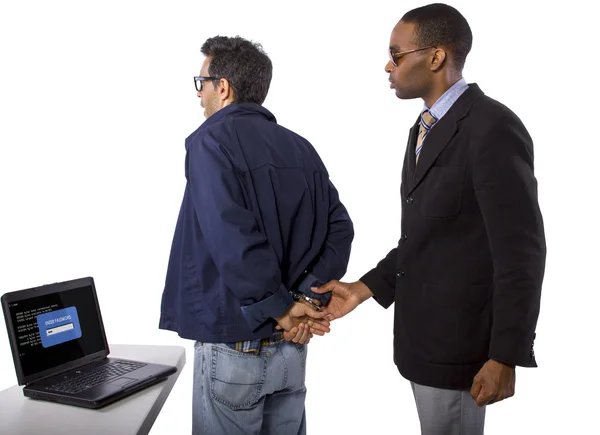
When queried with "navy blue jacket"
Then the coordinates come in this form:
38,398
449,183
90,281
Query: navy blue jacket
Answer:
259,216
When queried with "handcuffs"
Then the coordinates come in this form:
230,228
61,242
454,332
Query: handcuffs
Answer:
297,296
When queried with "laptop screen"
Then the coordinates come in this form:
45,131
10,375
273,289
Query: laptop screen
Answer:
55,327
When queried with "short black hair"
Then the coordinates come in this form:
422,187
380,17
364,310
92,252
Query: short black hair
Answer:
441,25
243,63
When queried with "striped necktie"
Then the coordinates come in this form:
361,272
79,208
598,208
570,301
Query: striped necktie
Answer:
427,121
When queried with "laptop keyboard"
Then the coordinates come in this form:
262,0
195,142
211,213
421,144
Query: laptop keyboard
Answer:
96,376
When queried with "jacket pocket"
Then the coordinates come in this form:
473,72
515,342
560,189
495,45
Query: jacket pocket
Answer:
443,192
237,378
454,324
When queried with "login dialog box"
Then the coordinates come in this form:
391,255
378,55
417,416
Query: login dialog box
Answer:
59,326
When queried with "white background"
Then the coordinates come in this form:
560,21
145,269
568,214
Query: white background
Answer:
96,99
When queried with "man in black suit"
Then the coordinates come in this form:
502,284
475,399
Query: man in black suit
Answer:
467,272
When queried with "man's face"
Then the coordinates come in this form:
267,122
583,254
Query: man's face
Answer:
412,77
209,96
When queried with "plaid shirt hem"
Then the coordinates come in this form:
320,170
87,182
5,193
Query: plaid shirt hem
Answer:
254,346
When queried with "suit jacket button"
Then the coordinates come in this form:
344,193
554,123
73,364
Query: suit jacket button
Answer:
410,200
404,236
400,274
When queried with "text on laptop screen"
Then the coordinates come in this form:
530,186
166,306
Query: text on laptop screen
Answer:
56,328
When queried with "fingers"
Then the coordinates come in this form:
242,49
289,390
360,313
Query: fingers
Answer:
484,397
306,337
480,397
311,312
328,315
291,334
475,388
509,393
316,314
337,309
483,392
298,333
494,399
500,396
320,327
301,309
303,335
330,286
300,313
316,302
318,332
324,322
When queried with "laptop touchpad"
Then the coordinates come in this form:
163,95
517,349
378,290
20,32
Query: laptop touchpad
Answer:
121,382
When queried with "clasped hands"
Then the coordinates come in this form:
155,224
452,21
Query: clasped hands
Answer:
301,321
493,383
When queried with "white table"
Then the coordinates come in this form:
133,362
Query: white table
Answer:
134,414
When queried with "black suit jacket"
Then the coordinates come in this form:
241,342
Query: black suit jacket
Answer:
467,273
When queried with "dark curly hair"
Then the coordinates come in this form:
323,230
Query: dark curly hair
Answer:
243,63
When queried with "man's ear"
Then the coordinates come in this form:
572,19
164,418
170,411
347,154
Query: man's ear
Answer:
225,90
438,59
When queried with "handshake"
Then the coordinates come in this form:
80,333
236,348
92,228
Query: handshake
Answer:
307,316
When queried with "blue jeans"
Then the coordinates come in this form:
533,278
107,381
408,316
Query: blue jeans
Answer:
248,393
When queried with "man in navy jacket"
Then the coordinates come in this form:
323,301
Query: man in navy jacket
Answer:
260,220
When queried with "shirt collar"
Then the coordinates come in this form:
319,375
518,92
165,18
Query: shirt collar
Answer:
443,104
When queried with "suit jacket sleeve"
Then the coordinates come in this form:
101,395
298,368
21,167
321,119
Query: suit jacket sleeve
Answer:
506,190
381,280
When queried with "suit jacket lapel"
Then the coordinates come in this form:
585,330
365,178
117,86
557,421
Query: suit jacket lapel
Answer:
435,142
441,133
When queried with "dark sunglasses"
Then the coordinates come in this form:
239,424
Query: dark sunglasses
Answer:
395,56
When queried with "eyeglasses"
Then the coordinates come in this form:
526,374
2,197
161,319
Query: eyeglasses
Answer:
395,56
199,81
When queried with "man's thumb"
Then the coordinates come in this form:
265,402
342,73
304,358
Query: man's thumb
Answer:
324,288
316,314
476,388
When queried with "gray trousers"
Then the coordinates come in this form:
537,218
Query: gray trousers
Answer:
447,412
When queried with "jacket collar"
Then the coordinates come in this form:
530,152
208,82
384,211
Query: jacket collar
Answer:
235,109
439,136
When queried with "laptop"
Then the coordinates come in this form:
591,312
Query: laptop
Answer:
60,350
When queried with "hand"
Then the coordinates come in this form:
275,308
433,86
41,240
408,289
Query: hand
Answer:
494,382
345,298
303,313
298,334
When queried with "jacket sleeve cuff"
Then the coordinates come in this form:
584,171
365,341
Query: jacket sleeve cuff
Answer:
511,350
309,281
274,306
382,293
